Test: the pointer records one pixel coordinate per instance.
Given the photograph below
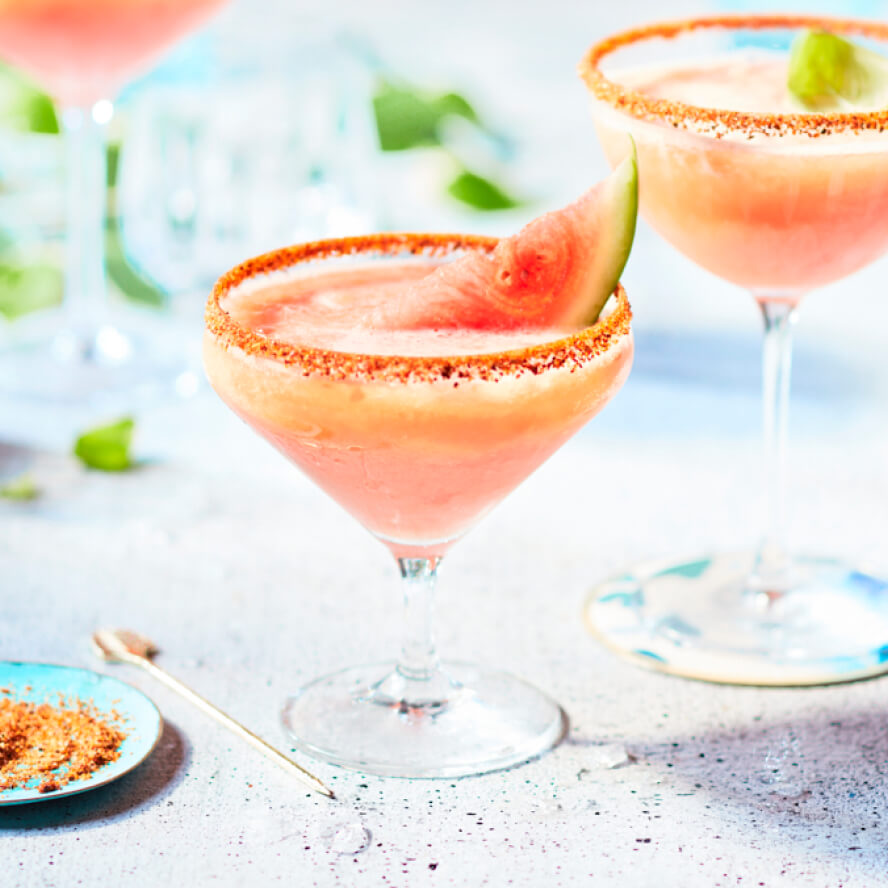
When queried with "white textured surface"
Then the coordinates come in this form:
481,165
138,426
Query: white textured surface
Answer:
253,582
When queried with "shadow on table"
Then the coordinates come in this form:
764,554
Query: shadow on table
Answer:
820,778
731,361
14,459
147,785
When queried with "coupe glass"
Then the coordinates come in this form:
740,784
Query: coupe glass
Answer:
417,449
82,51
779,204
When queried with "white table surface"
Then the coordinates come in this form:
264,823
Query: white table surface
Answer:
253,582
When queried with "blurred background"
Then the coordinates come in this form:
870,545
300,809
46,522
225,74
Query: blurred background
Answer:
279,122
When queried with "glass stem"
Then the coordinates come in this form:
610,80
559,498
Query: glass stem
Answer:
779,317
85,296
417,685
419,657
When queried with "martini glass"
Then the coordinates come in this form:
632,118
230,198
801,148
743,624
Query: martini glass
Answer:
780,202
82,51
417,449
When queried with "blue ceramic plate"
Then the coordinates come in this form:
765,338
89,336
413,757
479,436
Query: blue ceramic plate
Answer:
41,682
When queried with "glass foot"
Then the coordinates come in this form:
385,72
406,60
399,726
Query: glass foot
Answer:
706,619
476,720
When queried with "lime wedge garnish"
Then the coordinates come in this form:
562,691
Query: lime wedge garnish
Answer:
828,73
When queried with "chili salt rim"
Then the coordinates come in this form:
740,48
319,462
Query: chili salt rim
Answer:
573,351
715,121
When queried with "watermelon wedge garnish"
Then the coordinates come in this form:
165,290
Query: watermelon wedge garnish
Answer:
556,273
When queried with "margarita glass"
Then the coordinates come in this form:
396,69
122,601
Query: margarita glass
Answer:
417,434
82,52
780,201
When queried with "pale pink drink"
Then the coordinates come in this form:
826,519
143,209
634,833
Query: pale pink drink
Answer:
778,216
417,433
422,444
82,52
741,178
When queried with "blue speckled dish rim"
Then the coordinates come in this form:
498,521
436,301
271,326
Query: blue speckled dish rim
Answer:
107,773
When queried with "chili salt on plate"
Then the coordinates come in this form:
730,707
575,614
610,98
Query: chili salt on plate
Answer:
114,703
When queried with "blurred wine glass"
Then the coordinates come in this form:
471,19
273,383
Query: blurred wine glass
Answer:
211,170
82,52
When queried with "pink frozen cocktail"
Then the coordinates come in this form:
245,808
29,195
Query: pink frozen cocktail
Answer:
418,379
763,156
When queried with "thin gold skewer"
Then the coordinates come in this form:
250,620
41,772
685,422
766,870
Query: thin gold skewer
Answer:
124,646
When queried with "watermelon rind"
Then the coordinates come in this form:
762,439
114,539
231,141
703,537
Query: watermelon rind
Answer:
617,213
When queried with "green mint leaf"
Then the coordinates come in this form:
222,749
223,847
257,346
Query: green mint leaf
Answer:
404,119
28,288
480,193
453,103
131,282
408,118
112,163
826,71
24,107
107,447
20,489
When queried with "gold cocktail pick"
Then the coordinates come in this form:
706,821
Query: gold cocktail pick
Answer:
123,646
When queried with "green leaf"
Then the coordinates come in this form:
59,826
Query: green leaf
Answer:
132,283
454,103
21,489
24,107
106,447
408,118
403,119
480,193
112,163
826,72
28,288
